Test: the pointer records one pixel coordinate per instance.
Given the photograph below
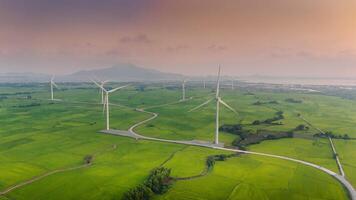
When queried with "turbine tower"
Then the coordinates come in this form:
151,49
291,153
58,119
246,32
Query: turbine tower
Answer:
232,84
52,83
218,101
102,83
183,90
106,101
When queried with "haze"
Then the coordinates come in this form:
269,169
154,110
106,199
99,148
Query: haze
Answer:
265,37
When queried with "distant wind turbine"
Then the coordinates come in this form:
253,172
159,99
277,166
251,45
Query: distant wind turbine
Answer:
218,101
52,83
102,83
232,84
183,90
106,101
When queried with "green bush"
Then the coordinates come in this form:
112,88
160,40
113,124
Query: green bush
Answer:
140,192
159,180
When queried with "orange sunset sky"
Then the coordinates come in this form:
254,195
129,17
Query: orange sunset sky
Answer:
265,37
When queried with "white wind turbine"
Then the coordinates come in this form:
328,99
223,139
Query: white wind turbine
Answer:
102,83
52,83
232,84
218,101
106,101
183,90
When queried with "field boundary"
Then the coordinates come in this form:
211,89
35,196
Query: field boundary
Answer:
336,156
341,179
131,133
40,177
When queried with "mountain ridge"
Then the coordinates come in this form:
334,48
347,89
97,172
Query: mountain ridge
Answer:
118,73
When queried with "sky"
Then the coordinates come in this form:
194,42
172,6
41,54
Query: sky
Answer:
247,37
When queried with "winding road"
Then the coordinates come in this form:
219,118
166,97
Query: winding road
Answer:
131,133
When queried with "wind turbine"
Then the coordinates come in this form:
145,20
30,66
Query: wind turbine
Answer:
232,84
218,101
183,90
102,83
52,83
204,83
106,101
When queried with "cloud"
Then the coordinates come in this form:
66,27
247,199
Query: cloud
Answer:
347,53
112,52
140,38
177,48
306,54
215,47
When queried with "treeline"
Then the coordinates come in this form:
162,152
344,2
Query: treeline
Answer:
16,93
247,137
210,161
158,182
257,103
242,142
291,100
27,105
332,135
278,116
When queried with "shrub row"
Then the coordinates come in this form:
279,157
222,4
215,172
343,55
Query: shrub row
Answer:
158,182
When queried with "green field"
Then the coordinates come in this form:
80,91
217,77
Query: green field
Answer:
347,153
252,177
316,151
38,136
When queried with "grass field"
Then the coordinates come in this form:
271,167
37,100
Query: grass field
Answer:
38,136
347,154
316,151
252,177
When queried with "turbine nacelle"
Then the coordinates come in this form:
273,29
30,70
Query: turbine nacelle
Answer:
106,100
218,101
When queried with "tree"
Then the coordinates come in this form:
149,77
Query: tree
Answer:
140,192
346,137
301,127
88,159
159,180
256,122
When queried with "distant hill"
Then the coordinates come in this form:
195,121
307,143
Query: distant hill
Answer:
120,73
23,77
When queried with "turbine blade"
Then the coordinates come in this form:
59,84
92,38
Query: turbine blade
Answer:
52,78
55,85
201,105
118,88
97,84
103,82
218,83
227,106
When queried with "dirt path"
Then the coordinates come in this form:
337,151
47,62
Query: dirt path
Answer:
131,133
347,185
341,169
37,178
172,155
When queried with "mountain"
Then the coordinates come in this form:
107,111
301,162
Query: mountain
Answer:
123,73
120,73
25,77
